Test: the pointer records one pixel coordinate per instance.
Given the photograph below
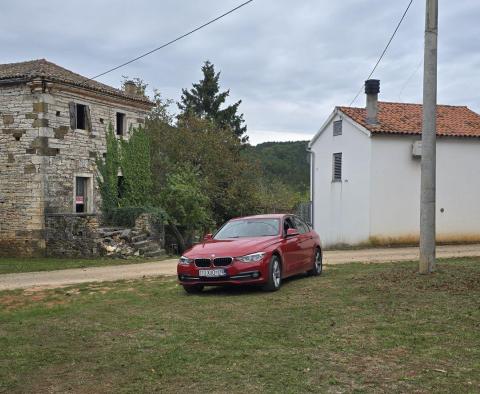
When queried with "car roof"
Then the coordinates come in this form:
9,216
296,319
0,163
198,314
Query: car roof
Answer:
265,216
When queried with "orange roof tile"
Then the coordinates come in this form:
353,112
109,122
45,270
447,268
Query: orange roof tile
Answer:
401,118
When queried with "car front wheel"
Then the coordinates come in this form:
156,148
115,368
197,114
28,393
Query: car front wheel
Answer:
274,280
317,264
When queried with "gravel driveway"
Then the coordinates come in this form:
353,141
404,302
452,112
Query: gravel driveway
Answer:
52,279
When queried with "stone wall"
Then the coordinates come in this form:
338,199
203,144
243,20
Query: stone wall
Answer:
21,181
72,235
40,156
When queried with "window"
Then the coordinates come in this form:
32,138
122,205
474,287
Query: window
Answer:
337,167
81,185
288,223
301,226
120,123
80,117
337,128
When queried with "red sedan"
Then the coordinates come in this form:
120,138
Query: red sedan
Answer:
260,250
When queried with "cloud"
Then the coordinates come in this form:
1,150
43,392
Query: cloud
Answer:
289,62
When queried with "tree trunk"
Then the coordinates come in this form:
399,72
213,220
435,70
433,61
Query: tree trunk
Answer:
179,237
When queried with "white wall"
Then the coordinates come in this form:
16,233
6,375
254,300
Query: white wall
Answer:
341,209
395,189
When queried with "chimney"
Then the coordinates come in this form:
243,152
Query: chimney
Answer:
130,88
372,88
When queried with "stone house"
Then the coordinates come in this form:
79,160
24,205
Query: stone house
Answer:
52,128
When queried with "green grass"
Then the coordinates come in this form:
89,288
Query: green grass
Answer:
17,264
358,328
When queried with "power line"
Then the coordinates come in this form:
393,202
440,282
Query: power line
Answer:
385,50
409,79
170,42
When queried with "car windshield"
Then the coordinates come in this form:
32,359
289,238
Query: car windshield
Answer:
249,228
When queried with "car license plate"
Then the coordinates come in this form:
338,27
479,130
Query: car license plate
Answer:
215,273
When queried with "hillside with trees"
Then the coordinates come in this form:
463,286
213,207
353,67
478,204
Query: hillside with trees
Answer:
286,162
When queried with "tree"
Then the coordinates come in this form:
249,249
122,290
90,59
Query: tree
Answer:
185,203
136,169
228,180
108,172
204,100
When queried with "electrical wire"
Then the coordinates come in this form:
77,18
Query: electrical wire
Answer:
409,79
170,42
385,50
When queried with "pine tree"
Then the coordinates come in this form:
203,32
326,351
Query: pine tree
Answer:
204,100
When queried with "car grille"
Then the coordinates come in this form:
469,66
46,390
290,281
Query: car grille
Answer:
222,261
203,263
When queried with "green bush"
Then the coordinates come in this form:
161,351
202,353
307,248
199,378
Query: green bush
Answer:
126,216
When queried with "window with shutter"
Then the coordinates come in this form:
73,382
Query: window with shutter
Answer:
337,167
337,128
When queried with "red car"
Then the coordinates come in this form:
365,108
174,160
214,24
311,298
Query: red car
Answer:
257,250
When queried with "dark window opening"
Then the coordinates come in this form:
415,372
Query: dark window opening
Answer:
120,123
81,111
101,120
57,113
337,167
81,194
337,128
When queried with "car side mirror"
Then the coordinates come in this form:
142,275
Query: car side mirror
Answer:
207,237
292,232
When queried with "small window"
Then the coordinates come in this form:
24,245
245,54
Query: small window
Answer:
337,167
120,123
81,111
337,128
81,185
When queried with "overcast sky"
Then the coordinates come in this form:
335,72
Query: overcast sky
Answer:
290,62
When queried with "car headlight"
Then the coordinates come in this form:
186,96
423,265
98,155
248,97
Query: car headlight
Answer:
251,258
185,260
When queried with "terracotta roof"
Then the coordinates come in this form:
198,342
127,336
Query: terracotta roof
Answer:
400,118
42,68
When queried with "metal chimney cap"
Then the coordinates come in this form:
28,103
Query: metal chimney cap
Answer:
372,86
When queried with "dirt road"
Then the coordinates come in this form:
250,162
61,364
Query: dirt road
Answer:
52,279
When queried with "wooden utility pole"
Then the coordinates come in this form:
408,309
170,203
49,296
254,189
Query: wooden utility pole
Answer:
429,131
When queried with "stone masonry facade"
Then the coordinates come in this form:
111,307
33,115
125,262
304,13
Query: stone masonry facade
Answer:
42,152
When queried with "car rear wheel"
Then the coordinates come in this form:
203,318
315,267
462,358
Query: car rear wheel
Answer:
193,289
317,268
274,275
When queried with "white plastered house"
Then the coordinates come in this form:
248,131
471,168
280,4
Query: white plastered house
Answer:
365,173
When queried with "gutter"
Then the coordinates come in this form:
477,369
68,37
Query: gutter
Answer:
312,183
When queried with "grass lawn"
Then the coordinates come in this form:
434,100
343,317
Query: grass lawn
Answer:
358,328
17,264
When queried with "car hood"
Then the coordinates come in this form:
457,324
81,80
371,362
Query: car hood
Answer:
230,247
